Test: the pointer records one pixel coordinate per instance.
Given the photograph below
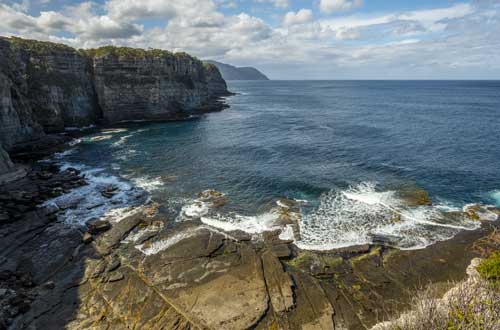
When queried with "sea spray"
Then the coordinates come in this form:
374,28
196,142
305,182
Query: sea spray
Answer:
362,215
88,202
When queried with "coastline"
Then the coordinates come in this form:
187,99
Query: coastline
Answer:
345,283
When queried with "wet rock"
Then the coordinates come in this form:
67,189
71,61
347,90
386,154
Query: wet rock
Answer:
95,205
414,196
73,171
387,240
45,175
98,226
480,212
146,237
109,191
4,217
215,198
21,302
49,285
50,209
151,210
112,238
87,238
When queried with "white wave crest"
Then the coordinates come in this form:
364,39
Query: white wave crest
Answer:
496,197
87,202
161,245
147,183
249,224
362,215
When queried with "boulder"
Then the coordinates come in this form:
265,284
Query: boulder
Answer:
98,226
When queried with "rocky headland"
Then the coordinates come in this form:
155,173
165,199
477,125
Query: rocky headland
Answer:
49,88
230,72
144,270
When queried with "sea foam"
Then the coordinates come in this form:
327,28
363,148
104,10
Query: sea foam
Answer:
361,214
86,203
496,197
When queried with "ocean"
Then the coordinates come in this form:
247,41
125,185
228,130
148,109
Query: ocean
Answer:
344,150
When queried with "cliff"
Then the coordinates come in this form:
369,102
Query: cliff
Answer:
47,87
134,84
59,84
5,162
230,72
16,116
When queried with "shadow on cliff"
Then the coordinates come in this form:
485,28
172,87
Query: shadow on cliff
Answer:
42,261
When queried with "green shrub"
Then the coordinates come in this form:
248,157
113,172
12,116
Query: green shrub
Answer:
125,52
36,46
490,267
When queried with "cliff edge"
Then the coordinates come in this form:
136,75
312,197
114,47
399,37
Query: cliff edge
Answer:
47,87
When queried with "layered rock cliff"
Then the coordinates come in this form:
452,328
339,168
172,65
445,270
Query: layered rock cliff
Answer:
47,87
59,84
134,84
5,162
17,124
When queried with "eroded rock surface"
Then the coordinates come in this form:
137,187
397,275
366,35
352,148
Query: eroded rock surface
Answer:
143,272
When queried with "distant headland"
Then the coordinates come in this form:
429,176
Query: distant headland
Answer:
230,72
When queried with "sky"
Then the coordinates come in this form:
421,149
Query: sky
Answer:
286,39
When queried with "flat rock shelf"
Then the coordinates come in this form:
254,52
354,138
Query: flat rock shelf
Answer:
140,273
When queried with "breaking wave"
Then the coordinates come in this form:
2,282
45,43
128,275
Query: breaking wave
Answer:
363,215
104,197
495,195
358,215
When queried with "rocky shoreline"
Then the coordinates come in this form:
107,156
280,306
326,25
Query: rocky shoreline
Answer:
139,271
142,269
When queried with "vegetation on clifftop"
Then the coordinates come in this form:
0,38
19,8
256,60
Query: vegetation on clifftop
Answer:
46,47
125,52
129,52
490,268
36,46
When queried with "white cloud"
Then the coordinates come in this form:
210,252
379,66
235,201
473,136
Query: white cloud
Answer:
103,27
347,34
330,6
457,37
283,4
23,6
81,22
300,17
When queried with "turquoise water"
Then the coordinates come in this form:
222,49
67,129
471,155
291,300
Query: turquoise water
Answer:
310,140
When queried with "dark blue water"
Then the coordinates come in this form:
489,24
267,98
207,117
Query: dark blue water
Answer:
300,139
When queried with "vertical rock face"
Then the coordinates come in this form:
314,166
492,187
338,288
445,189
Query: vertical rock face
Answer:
17,124
60,87
139,85
5,163
47,87
216,84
